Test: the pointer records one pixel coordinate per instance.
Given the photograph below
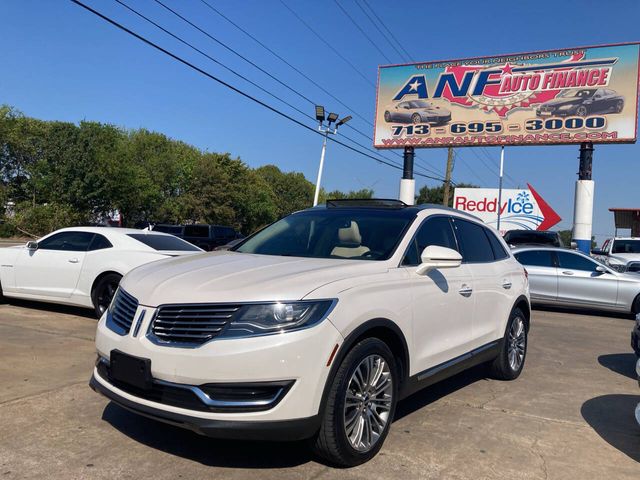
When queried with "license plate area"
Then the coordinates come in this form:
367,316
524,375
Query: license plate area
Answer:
131,370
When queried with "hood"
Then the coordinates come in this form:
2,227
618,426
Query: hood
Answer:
625,257
238,277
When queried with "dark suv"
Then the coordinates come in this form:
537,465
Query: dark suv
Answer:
533,237
209,237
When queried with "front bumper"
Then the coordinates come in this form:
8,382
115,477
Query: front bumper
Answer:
296,429
298,357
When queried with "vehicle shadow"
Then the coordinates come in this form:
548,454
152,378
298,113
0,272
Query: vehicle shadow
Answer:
204,450
589,312
612,417
621,363
52,307
439,390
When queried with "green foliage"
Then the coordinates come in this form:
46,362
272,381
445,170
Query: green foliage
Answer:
62,174
436,194
36,220
565,236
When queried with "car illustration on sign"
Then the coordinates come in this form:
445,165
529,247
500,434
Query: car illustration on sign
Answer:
417,111
582,102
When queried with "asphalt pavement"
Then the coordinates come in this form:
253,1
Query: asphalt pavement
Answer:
569,415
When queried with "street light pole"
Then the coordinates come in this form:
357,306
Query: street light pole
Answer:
500,186
324,149
325,130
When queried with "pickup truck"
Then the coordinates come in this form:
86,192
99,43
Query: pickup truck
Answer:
620,253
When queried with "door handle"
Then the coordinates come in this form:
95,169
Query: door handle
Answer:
465,290
506,284
73,260
567,272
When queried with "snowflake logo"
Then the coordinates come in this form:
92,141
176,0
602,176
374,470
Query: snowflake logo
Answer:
523,197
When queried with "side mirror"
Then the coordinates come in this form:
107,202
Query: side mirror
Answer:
601,269
597,251
32,245
435,256
573,245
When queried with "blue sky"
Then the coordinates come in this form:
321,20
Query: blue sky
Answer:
60,62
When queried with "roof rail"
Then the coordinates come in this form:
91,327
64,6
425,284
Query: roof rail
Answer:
365,202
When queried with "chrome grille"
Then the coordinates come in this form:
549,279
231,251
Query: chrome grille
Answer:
191,324
121,312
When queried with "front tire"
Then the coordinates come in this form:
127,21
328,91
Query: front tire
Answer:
619,106
581,111
387,117
508,364
416,118
104,291
360,405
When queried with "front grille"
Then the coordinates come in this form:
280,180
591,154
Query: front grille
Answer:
190,324
121,312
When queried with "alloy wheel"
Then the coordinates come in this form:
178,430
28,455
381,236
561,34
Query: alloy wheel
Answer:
105,295
517,342
581,111
368,403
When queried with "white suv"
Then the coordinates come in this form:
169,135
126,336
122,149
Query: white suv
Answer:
315,326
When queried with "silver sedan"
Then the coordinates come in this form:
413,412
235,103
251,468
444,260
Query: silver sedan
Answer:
568,278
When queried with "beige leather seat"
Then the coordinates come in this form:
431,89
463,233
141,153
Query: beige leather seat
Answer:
350,242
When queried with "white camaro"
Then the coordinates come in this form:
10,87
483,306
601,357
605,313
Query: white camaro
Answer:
316,325
82,265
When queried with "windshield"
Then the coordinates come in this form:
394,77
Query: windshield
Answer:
420,104
331,233
578,93
164,242
626,246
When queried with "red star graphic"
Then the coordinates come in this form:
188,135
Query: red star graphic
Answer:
507,69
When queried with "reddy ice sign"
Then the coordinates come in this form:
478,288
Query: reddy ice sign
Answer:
520,209
551,97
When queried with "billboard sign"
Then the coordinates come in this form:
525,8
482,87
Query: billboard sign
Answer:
521,209
540,98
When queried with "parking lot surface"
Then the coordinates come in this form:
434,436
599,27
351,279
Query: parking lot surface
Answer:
569,416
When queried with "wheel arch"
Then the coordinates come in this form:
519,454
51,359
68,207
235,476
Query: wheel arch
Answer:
100,277
383,329
522,302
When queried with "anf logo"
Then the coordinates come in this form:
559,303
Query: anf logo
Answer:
417,85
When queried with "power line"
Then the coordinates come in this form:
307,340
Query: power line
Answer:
331,47
231,87
424,165
254,83
364,34
389,31
384,35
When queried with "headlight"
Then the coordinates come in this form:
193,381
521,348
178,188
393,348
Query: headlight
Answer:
277,317
618,267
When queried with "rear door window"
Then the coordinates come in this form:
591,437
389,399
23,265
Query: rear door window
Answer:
499,253
99,242
535,258
474,244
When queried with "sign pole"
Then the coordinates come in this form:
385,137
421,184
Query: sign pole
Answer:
583,205
407,183
500,186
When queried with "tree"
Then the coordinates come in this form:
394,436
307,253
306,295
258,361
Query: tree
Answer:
338,195
292,191
436,194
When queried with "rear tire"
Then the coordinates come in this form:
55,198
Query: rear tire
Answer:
104,291
635,307
360,405
508,364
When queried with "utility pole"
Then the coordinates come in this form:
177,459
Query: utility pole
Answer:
447,178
